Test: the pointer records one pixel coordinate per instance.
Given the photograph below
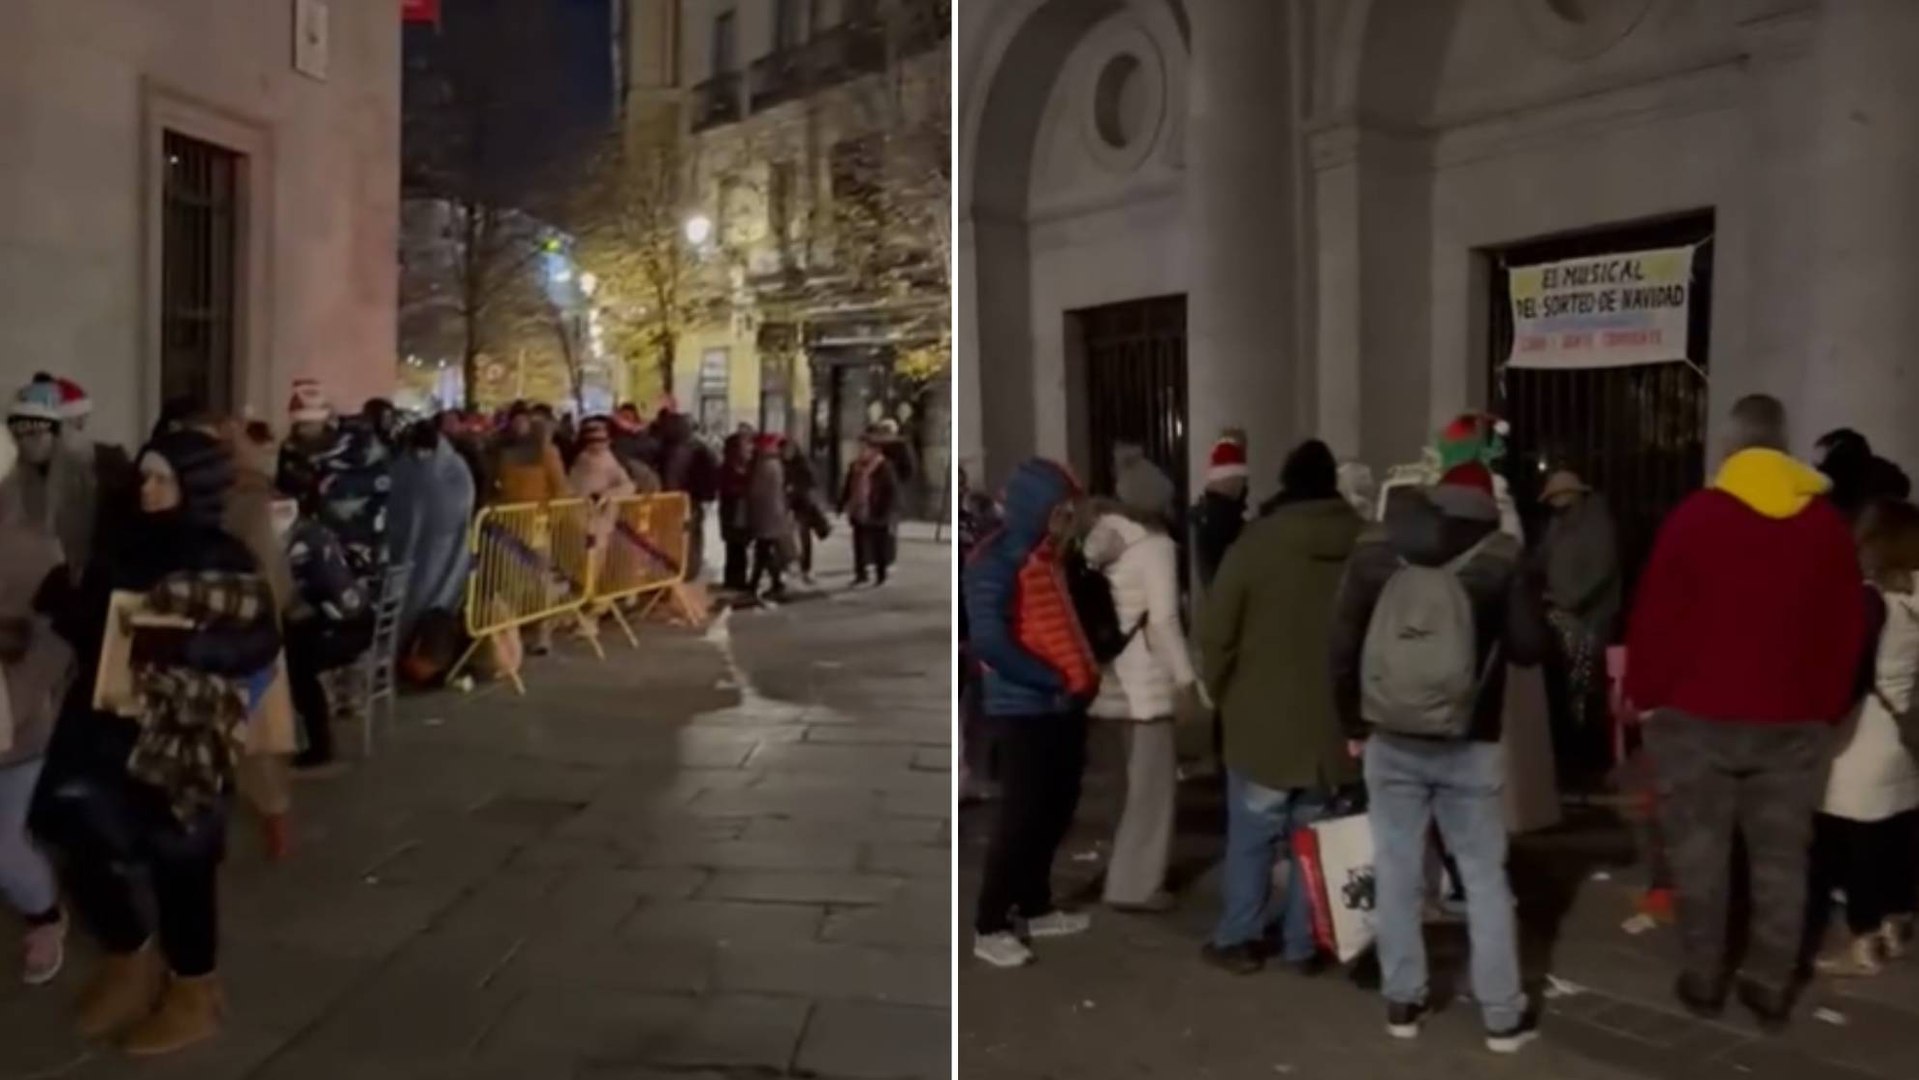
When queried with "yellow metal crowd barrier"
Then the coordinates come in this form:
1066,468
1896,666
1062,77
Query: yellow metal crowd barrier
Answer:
531,562
643,555
570,560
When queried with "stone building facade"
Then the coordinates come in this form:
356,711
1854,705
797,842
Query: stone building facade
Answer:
199,198
1327,192
815,133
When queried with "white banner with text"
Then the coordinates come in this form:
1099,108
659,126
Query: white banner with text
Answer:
1602,312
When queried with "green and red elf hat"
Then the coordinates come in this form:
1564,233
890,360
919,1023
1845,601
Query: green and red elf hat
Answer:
1471,437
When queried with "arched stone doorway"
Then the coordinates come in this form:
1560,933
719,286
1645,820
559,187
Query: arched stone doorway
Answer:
1118,67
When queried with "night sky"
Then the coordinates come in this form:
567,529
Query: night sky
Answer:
582,94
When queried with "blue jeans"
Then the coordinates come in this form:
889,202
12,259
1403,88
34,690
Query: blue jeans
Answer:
26,878
1259,835
1461,785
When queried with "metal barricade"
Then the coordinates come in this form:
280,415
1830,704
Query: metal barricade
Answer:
643,555
531,562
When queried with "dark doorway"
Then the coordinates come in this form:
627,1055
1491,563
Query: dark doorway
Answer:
1135,385
855,388
1636,434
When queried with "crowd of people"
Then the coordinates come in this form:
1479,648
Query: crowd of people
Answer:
1354,657
241,572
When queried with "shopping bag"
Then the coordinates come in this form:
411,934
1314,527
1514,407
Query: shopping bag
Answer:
1335,861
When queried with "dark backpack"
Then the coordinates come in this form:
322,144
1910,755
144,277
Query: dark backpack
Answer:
1092,594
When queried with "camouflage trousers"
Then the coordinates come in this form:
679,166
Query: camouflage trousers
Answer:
1762,781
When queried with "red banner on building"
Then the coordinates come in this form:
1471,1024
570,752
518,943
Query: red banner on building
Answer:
423,11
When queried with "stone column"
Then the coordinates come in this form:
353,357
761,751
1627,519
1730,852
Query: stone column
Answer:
1863,367
1242,333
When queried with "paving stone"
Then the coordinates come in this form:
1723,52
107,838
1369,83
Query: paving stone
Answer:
911,860
405,1015
881,1042
598,899
867,830
839,971
933,804
881,735
556,1026
735,1030
567,962
903,781
521,889
800,887
821,804
820,757
724,921
752,855
912,919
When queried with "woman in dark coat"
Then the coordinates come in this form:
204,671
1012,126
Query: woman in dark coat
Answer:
870,501
802,495
736,528
152,790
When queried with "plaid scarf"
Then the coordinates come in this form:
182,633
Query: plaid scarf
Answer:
213,596
192,723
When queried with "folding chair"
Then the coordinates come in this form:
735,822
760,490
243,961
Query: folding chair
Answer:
378,665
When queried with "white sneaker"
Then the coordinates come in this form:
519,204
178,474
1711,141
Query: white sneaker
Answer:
1002,950
1058,923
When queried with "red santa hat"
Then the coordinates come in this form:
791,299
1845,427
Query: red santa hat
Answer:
1227,461
309,404
1471,474
74,402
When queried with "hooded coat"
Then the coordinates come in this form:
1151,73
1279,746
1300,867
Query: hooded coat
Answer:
1142,564
90,746
1141,485
1020,617
1750,609
1873,774
768,512
61,498
1264,634
36,679
1217,519
433,496
1581,556
345,479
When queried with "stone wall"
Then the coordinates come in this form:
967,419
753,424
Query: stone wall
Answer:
88,85
1409,136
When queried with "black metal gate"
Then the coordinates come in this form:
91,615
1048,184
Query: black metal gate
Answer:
199,270
1136,385
1636,434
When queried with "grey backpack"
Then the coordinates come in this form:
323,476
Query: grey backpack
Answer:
1418,670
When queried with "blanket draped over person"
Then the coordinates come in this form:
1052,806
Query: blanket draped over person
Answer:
432,503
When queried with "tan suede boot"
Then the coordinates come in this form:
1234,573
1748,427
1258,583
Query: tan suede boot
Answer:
121,992
189,1012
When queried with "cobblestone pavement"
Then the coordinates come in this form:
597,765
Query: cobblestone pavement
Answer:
724,855
1132,999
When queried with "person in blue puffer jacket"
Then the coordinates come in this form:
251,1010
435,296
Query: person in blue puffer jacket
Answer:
1038,677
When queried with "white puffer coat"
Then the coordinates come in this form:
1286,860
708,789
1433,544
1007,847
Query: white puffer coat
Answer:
1143,566
1873,777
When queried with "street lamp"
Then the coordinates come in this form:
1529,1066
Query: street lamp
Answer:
699,229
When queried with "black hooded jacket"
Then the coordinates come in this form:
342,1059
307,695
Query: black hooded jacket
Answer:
155,546
1431,528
